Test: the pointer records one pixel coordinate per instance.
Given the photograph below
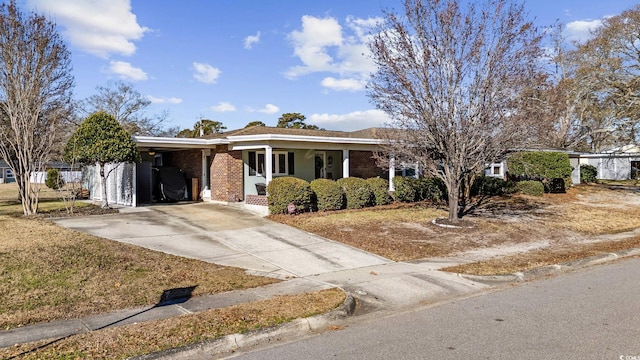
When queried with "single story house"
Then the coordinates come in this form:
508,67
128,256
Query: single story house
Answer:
235,166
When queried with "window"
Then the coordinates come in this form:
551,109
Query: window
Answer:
282,163
496,170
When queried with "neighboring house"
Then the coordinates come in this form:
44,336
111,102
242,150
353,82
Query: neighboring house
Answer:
6,175
67,173
501,169
617,164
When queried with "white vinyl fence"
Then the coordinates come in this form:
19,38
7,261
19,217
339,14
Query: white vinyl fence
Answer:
120,183
39,177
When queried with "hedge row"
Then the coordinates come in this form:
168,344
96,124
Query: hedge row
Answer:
325,195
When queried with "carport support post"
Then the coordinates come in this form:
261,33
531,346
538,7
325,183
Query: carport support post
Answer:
268,163
345,163
392,172
205,187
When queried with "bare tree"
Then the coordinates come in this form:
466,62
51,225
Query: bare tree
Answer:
122,101
35,95
608,67
451,80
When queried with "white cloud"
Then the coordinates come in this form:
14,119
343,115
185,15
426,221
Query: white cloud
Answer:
356,120
205,73
250,40
343,84
580,30
323,45
99,27
164,100
223,107
125,71
267,109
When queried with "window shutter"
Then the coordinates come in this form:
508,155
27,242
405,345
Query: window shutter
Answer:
291,164
252,163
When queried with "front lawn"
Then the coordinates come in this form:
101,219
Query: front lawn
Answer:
547,229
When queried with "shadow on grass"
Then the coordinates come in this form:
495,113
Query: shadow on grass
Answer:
498,206
168,297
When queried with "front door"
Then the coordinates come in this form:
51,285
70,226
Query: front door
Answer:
321,168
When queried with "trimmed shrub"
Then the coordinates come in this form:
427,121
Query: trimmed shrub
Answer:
409,189
328,195
488,186
286,190
357,192
406,189
380,188
430,188
530,187
588,173
54,180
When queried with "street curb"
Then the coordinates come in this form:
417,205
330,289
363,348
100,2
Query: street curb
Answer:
552,269
271,335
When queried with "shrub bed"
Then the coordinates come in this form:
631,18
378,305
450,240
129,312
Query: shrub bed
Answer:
286,190
328,195
357,192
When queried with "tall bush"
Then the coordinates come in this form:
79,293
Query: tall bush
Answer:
357,192
588,173
542,165
380,188
54,180
286,190
328,195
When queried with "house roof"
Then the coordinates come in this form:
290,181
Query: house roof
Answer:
261,134
369,133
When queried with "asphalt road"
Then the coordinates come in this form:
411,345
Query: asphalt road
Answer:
593,313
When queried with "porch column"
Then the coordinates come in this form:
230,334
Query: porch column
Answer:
345,163
205,187
392,172
268,163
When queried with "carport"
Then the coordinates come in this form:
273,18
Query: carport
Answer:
192,156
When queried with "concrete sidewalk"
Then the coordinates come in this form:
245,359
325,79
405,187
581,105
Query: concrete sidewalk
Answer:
229,236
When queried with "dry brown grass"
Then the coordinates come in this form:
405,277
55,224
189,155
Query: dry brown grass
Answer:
138,339
398,232
543,257
48,272
503,225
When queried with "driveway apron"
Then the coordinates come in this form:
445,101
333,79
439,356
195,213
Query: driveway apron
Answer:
228,236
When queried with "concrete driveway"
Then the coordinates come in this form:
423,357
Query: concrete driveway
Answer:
228,236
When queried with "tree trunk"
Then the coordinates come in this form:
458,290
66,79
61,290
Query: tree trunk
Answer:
454,194
103,179
27,198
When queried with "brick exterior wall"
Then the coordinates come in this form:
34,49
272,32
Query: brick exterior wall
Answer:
260,200
226,175
189,161
363,165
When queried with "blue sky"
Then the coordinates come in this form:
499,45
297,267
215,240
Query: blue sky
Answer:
237,61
